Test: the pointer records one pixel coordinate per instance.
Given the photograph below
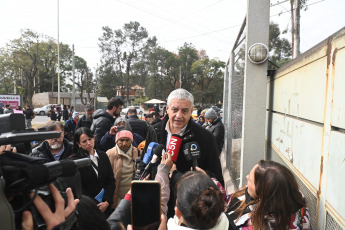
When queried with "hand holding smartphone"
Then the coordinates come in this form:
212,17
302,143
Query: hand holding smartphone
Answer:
146,204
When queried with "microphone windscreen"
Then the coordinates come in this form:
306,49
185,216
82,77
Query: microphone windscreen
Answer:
174,146
69,168
149,152
158,150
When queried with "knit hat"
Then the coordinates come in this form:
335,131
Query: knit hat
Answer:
124,133
75,113
211,114
118,120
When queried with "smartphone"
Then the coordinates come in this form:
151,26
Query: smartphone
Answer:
145,204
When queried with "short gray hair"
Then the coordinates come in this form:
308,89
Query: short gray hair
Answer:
181,94
89,107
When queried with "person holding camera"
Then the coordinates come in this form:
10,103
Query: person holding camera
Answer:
97,179
54,149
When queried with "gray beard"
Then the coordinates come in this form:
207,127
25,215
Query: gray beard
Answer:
55,146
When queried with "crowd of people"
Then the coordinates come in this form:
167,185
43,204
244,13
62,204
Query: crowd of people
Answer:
191,197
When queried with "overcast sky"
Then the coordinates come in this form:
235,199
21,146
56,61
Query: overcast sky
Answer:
211,25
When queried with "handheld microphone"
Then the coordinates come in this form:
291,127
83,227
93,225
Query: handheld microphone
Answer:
157,153
191,152
149,152
174,146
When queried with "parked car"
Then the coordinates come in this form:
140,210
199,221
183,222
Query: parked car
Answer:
44,110
140,111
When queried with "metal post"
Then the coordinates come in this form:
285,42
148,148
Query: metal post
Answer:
180,78
255,87
58,49
73,72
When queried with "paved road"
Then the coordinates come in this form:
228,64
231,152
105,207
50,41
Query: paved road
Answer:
40,120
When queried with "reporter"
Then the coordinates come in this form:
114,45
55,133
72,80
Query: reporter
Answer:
271,200
99,175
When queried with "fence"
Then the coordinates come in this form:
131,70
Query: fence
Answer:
305,124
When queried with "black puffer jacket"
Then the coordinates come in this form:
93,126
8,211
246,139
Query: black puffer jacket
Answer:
137,126
208,160
43,151
217,129
102,122
65,114
84,121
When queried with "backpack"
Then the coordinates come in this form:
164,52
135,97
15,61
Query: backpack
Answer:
137,139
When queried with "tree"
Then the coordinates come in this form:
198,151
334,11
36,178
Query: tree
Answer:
122,50
23,58
280,48
111,69
204,72
187,55
164,73
83,79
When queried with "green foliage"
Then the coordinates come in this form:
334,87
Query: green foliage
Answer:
187,55
30,62
205,72
280,48
140,100
123,54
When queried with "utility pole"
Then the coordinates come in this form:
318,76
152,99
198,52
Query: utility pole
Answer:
180,78
58,49
292,28
296,45
73,74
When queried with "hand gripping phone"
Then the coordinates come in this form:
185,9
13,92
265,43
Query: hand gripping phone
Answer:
145,204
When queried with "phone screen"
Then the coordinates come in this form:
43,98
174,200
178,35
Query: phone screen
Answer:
146,204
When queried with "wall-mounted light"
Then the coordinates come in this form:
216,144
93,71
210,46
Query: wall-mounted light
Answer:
258,53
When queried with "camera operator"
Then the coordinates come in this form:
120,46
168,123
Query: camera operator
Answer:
59,217
54,149
7,148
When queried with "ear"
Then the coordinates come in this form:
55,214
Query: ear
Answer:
178,213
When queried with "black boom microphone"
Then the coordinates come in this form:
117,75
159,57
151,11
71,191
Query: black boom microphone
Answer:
191,152
157,153
24,173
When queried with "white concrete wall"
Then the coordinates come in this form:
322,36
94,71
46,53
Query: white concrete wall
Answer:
306,125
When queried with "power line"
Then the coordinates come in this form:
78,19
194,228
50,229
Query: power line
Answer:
203,33
186,16
288,11
167,19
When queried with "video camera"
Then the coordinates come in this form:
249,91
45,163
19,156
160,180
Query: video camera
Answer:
21,174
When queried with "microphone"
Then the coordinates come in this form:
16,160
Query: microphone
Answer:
174,146
149,152
157,153
191,152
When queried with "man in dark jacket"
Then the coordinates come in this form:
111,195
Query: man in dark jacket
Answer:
28,116
178,121
103,120
216,127
137,126
86,120
53,149
65,113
